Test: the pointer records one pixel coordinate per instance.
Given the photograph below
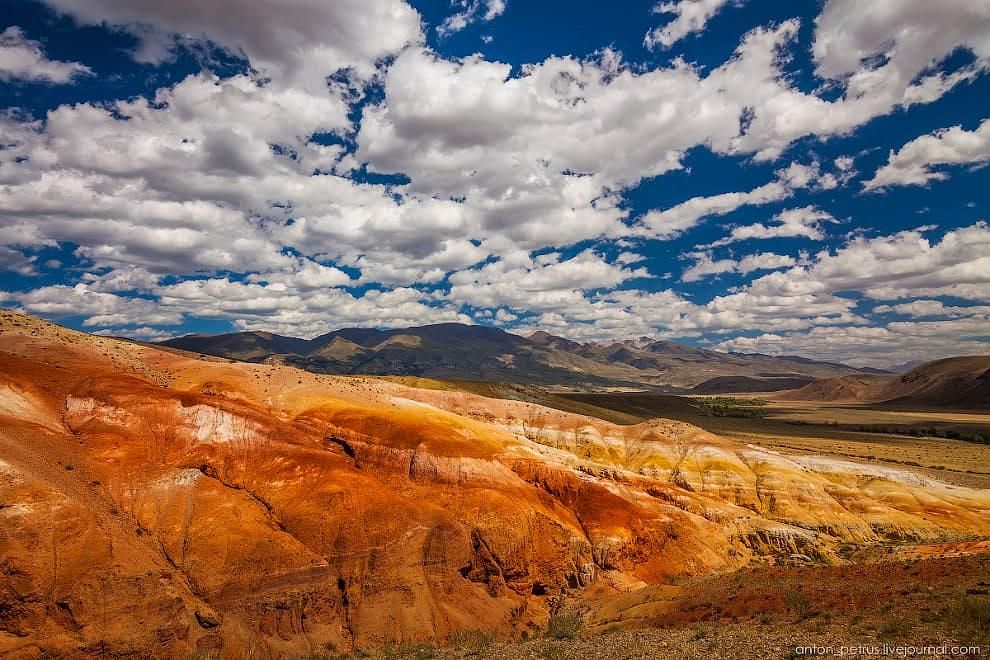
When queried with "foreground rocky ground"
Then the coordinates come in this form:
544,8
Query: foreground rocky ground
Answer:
156,504
931,605
742,641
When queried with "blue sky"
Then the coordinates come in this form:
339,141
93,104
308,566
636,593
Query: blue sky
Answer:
799,178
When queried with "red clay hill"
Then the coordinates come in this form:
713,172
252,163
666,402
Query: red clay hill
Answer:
153,503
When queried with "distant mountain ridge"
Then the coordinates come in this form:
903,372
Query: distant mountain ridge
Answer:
474,352
958,382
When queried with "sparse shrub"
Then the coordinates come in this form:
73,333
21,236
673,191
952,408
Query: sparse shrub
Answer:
894,627
819,626
971,618
471,640
553,651
408,651
329,652
798,603
564,626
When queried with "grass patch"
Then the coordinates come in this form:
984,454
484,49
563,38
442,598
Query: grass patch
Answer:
799,604
564,626
726,406
407,651
471,640
553,651
895,627
970,618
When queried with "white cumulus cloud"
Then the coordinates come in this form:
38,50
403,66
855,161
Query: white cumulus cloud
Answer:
470,11
690,16
803,222
913,163
24,59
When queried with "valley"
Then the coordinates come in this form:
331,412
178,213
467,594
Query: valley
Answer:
945,444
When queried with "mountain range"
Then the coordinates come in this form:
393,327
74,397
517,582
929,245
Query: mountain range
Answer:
473,352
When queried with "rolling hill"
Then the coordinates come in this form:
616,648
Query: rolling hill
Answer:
471,352
731,384
958,382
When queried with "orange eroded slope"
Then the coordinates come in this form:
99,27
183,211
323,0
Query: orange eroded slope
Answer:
151,502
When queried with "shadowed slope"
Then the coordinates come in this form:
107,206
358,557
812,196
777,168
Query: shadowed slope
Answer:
960,382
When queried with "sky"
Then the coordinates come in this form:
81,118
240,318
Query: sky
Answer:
789,178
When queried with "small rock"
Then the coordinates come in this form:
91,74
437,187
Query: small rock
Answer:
207,619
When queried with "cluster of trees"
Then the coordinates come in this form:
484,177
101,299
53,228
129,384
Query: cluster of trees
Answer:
931,432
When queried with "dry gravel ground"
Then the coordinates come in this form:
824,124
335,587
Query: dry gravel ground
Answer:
901,600
739,641
831,637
